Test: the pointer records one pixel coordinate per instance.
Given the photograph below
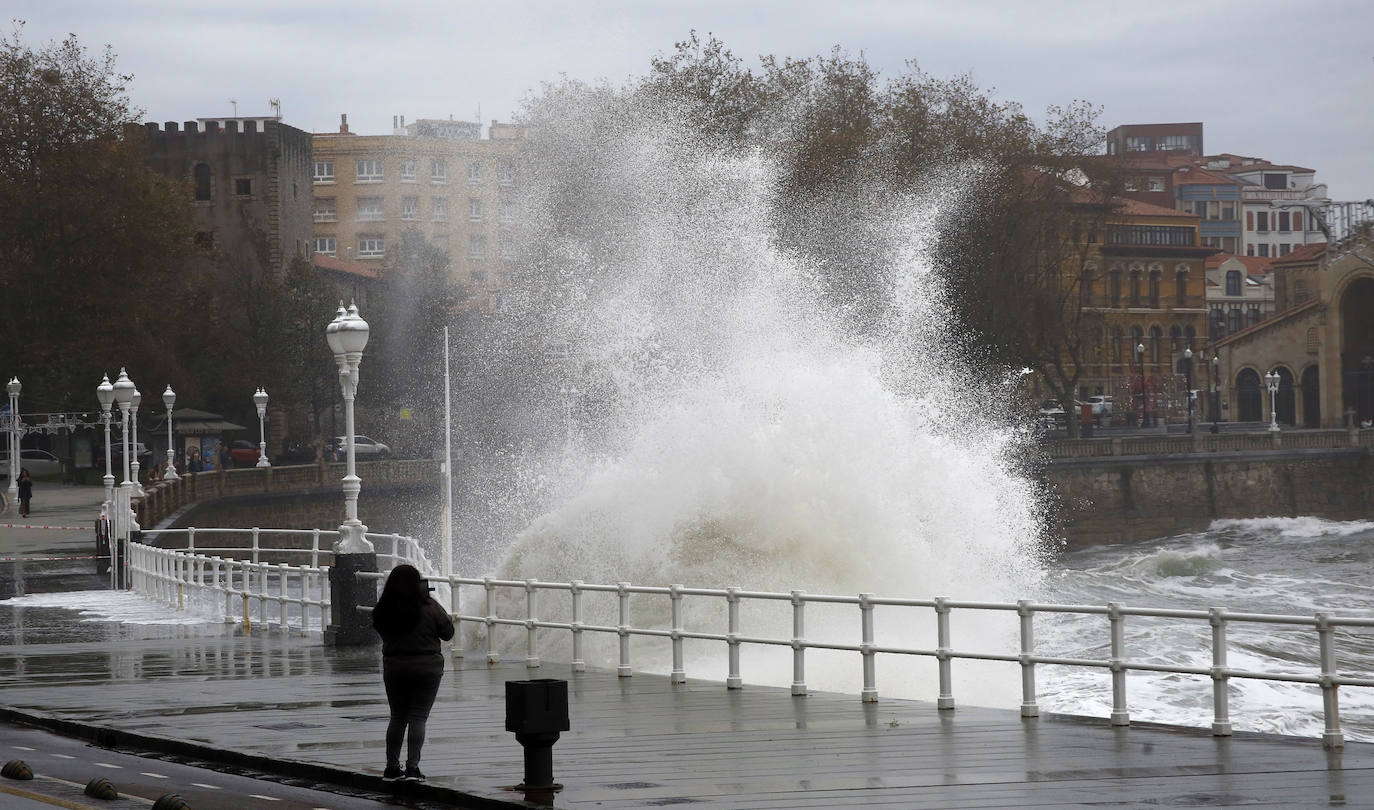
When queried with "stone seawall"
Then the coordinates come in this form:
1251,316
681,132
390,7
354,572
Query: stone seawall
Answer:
1127,499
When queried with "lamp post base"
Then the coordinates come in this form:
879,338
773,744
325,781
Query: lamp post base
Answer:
349,626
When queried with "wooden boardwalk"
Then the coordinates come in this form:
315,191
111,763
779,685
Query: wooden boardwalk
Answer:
644,742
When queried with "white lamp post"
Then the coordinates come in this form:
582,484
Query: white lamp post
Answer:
260,400
13,388
1140,364
169,399
1188,359
124,389
105,393
133,443
347,335
1272,380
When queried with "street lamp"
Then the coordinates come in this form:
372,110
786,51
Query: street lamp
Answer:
260,400
105,393
1188,369
13,388
1216,392
1272,380
1140,365
169,399
124,389
133,443
347,335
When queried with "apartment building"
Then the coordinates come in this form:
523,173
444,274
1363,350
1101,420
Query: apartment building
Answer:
438,178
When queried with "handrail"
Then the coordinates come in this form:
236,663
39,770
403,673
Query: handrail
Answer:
1327,676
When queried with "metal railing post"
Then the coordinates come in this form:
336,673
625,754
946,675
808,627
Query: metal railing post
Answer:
1221,720
945,700
283,571
315,548
578,664
1331,708
1029,707
191,541
1121,716
732,678
454,603
531,631
493,657
870,690
798,644
255,544
623,630
678,674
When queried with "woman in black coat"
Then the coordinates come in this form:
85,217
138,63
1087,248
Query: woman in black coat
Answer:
25,492
411,625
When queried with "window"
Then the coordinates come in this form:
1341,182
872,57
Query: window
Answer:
324,171
243,186
325,245
1233,282
1174,143
1283,218
474,172
1229,244
474,210
1228,211
438,171
1233,318
202,179
1200,208
440,242
1131,185
1137,143
507,212
1135,287
478,276
1150,235
477,246
324,211
439,209
1175,339
371,247
1275,181
1285,248
1114,285
1297,220
506,174
369,209
369,171
410,208
1263,249
1218,322
1117,340
506,246
408,171
1249,250
1085,286
1156,184
1154,290
1181,288
1252,315
1262,221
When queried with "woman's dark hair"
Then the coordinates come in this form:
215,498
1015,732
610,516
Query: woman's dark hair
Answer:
398,608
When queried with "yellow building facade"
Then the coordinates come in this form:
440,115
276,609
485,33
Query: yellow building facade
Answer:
456,192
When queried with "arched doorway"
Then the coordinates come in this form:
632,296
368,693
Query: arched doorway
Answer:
1286,401
1357,349
1311,398
1248,405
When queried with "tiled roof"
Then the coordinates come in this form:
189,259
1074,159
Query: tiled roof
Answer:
1133,207
1254,265
345,266
1306,253
1194,176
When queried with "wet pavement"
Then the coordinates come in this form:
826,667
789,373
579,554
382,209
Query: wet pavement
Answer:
53,548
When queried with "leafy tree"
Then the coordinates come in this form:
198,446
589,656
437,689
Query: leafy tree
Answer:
93,243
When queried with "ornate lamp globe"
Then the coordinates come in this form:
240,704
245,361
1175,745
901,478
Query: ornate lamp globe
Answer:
135,400
124,389
331,332
260,400
13,387
353,331
105,393
169,397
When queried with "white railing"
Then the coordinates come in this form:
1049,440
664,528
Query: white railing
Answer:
223,572
1327,676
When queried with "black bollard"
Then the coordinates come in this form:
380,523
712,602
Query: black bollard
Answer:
537,710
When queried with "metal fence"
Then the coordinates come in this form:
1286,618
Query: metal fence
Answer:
1201,441
246,574
1118,664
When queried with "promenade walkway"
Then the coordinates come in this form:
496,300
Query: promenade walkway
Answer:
292,706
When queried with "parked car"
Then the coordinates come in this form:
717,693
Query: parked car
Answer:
1102,405
140,452
1051,415
363,447
244,453
39,463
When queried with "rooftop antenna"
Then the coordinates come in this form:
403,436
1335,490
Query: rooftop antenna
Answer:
275,103
235,102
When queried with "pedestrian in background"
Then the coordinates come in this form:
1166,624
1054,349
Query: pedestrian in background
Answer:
25,492
411,625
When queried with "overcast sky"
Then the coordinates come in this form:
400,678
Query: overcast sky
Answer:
1288,80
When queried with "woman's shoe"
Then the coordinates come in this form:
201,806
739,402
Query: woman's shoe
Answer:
392,773
413,774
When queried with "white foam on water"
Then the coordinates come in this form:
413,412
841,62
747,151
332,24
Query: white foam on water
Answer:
110,606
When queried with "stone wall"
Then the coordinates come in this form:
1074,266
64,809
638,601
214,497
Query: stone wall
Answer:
1125,499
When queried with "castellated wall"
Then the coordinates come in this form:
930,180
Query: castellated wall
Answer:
1138,498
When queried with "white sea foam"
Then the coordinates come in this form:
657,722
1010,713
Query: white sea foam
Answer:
110,606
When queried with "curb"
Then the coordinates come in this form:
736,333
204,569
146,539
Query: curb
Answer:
107,737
